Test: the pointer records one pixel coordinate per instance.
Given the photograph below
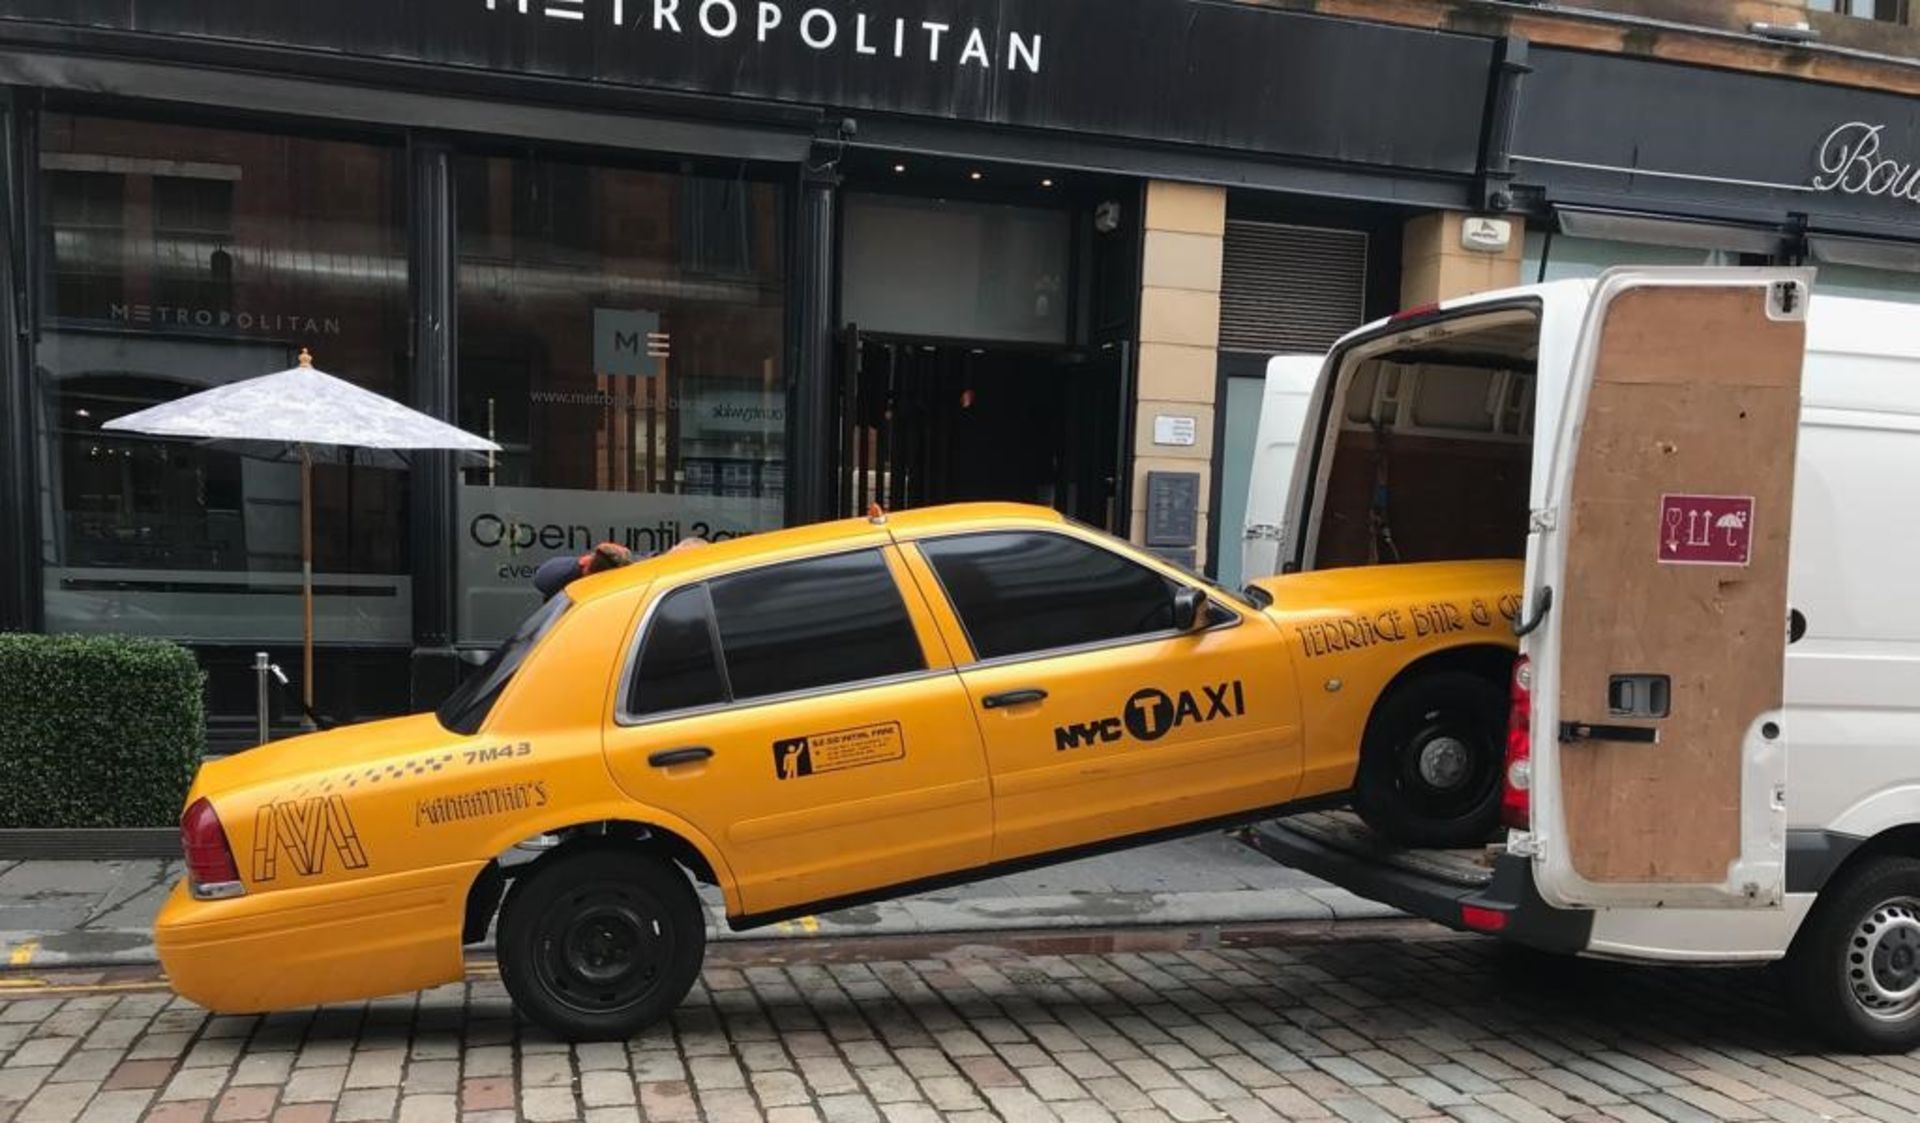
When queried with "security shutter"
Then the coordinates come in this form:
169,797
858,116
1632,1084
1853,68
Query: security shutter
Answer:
1290,288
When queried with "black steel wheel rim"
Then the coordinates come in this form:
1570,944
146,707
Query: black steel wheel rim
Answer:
1448,765
602,947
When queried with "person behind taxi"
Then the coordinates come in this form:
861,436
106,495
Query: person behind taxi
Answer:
556,574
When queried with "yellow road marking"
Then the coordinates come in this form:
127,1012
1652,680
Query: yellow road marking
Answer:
34,986
22,953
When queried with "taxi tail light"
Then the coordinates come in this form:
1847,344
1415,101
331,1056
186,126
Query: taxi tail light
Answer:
1516,792
211,871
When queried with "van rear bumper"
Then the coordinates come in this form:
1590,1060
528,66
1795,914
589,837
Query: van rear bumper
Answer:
1424,890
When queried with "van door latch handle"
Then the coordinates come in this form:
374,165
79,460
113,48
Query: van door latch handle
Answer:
1013,698
1573,731
667,758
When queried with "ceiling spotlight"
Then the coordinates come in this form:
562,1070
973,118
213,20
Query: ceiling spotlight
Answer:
1046,183
899,168
975,176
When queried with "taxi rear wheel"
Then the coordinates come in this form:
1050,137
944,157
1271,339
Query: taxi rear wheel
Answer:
600,942
1431,760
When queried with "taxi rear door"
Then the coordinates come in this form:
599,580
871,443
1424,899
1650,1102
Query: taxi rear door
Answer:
804,716
1658,740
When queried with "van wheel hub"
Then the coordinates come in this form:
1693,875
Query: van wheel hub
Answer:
1883,960
1445,762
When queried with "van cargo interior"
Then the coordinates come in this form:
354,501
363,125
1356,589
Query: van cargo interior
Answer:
1432,446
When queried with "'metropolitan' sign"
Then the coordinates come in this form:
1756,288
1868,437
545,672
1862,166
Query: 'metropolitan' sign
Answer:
821,29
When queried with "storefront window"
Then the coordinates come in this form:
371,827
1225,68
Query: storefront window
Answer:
180,258
621,334
1569,257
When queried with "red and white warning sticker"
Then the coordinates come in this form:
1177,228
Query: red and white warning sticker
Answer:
1706,529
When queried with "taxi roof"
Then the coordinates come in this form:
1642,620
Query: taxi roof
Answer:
812,538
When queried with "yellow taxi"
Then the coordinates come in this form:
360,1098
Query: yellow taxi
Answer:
819,716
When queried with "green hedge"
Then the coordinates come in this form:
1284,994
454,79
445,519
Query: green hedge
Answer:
97,731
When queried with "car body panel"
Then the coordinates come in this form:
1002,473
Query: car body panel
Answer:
1354,631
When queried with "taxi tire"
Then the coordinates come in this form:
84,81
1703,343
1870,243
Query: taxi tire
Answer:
1386,789
1829,948
543,893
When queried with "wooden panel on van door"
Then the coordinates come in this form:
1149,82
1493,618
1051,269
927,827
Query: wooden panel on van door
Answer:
1697,392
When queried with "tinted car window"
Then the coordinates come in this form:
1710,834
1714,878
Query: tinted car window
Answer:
813,623
1022,592
466,709
677,668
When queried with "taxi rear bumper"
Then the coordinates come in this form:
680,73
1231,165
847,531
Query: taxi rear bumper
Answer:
303,946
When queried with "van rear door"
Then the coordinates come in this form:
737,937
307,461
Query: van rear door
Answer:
1284,407
1659,746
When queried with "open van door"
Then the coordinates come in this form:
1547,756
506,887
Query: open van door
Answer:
1659,746
1284,406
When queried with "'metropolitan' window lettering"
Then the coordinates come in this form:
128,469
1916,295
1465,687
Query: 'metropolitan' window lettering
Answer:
927,40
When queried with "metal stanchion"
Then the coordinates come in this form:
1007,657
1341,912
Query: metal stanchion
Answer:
263,671
262,667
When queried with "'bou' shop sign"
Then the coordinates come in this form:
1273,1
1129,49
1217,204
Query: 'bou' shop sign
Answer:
818,27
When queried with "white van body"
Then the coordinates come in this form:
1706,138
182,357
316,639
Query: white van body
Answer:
1833,790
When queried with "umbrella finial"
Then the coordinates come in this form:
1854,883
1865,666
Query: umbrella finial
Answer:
306,358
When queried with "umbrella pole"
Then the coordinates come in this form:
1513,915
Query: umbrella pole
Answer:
306,569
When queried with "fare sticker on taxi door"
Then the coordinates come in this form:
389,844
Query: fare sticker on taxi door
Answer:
795,757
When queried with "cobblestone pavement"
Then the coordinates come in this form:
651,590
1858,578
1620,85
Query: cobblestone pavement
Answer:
1399,1022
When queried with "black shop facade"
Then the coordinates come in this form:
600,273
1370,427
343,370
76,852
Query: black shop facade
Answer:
1623,160
701,268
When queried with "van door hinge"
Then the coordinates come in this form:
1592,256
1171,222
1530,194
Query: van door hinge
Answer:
1265,532
1543,519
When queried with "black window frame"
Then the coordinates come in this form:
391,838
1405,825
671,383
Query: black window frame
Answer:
1220,614
626,718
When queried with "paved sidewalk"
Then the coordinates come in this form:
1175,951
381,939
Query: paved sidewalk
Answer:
1426,1027
84,913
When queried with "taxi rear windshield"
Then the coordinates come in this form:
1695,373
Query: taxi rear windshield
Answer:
466,709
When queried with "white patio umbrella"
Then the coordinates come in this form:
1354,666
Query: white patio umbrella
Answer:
300,412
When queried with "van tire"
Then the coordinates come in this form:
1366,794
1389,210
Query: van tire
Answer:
598,942
1431,761
1860,943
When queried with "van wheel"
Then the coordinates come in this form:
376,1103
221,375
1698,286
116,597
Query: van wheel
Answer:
1431,759
599,942
1855,964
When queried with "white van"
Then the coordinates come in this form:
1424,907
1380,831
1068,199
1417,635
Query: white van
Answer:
1714,478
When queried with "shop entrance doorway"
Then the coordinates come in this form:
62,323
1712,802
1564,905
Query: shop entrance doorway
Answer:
925,421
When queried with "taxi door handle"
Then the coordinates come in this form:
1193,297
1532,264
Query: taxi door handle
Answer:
1013,698
667,758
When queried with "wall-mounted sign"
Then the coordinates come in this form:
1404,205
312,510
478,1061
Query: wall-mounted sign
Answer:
816,27
1851,163
1402,99
1679,140
1485,235
1173,509
1173,429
